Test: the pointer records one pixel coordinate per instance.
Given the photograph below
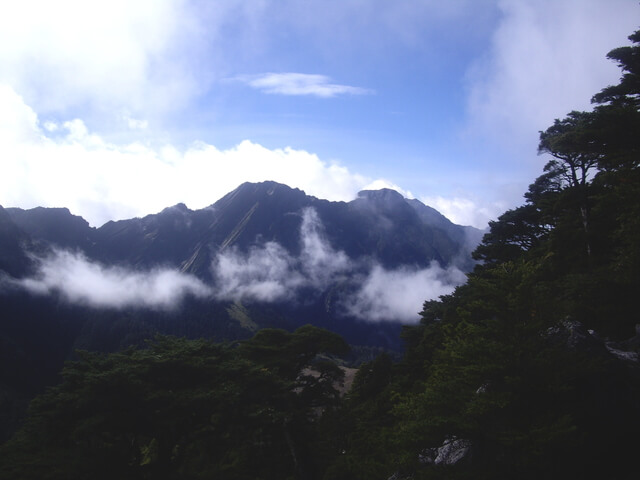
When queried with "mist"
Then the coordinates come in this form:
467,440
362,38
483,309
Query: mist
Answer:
399,294
80,280
270,273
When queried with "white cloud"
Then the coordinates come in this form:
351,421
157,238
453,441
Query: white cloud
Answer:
264,274
65,164
547,58
465,211
80,280
136,123
399,294
299,84
270,273
320,262
72,53
382,183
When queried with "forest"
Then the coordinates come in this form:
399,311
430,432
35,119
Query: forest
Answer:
528,370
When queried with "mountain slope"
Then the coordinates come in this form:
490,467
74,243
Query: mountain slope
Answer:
264,255
378,224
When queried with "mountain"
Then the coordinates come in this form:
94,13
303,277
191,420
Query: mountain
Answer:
264,255
380,224
315,248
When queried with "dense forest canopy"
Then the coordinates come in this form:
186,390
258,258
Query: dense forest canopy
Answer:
513,374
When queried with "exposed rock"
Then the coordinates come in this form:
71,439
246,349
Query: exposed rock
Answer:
633,343
575,336
484,388
453,451
616,350
428,456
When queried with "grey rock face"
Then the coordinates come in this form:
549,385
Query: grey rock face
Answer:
452,451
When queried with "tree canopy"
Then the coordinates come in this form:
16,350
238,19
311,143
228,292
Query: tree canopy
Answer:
182,409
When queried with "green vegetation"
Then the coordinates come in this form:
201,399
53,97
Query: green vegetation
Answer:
505,365
182,409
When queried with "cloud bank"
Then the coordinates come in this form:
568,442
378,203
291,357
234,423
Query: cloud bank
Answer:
546,58
64,164
465,211
73,54
79,280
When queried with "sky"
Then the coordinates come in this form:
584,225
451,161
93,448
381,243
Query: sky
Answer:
116,109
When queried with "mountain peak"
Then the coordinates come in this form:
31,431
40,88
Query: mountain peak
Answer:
178,207
384,194
267,187
385,197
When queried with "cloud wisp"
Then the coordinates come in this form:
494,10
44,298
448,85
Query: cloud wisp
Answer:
269,273
79,280
299,84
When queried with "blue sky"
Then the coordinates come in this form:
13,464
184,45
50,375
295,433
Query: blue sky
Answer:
117,109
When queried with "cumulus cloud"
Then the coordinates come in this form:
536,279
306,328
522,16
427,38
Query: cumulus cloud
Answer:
465,211
80,280
65,164
399,294
299,84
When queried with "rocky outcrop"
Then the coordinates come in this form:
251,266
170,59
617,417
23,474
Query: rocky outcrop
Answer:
452,452
575,336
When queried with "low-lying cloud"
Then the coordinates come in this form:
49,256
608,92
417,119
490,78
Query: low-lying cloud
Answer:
400,293
79,280
264,273
270,273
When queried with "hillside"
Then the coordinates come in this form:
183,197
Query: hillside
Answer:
264,255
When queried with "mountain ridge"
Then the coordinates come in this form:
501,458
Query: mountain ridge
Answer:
266,211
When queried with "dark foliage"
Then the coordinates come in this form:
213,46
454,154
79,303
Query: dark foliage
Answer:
182,409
